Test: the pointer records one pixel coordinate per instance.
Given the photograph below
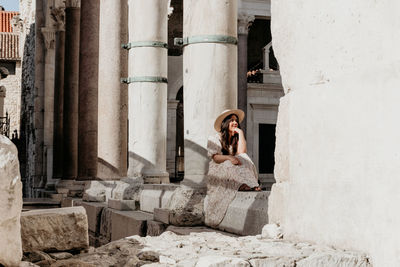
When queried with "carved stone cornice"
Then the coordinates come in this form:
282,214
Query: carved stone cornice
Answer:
73,3
244,22
49,35
58,15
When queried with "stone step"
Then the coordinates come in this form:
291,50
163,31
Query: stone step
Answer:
155,196
40,203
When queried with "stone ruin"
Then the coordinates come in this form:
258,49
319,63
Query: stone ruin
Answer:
60,236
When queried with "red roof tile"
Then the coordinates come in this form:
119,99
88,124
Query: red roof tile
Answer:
9,46
5,20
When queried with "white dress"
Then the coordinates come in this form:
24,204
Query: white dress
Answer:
224,180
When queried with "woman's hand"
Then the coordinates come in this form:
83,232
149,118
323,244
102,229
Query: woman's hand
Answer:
234,160
238,130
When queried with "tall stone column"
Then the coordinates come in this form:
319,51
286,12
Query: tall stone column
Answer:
71,89
88,89
113,95
38,159
244,21
209,77
49,35
59,15
148,90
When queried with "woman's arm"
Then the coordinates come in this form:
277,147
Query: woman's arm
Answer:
221,158
242,146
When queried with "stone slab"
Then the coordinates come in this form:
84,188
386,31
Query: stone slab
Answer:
120,204
93,211
247,213
161,215
10,204
155,196
60,229
128,223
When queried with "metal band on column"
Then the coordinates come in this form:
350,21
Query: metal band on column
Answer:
145,44
221,39
148,79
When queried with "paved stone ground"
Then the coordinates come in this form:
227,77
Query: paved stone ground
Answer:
211,249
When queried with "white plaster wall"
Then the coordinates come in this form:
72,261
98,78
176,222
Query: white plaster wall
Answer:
12,101
337,155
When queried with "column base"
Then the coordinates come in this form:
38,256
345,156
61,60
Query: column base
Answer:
195,181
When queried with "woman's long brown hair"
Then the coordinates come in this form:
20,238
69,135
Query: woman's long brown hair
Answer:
225,142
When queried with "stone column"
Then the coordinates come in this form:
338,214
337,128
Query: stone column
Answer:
171,136
209,78
148,100
71,89
113,95
244,21
59,15
49,35
88,89
2,96
38,164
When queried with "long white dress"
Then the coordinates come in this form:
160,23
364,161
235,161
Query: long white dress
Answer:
224,180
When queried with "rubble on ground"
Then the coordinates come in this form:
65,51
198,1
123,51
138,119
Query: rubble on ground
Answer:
208,249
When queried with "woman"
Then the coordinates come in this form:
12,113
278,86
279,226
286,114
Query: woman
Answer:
230,168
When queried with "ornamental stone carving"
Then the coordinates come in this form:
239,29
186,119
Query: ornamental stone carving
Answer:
49,35
244,22
58,15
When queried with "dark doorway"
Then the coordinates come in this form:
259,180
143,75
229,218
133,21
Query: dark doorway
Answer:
266,158
179,152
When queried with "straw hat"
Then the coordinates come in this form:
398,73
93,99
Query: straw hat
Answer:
238,112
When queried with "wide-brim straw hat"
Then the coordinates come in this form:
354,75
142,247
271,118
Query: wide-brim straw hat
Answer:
218,121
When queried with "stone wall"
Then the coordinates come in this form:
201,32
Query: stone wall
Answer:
12,102
27,137
337,156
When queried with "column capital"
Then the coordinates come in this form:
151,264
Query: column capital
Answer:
244,22
73,3
58,15
49,35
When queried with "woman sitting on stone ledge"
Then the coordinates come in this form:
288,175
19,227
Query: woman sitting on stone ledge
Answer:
230,168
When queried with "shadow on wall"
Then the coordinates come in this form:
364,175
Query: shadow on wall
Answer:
107,169
139,163
27,137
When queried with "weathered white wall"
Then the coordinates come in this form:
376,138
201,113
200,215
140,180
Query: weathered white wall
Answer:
12,102
338,135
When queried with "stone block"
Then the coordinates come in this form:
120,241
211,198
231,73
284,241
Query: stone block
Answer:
93,211
58,197
54,229
247,213
69,202
128,223
186,207
120,204
155,196
105,224
161,215
101,191
10,204
155,228
62,190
